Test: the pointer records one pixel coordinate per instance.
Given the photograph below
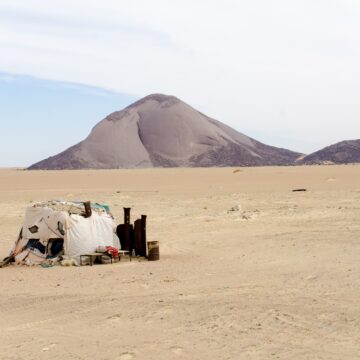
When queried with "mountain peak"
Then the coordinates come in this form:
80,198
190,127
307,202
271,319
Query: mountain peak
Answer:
159,98
162,131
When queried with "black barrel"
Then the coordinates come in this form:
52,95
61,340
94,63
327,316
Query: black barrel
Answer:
140,236
153,250
137,234
143,235
125,232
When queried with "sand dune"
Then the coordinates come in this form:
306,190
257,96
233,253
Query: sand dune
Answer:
276,278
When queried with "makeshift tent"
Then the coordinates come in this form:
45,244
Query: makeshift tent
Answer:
60,228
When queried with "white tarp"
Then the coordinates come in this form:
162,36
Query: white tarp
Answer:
86,234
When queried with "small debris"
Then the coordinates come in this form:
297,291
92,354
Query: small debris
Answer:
299,190
68,262
47,348
234,209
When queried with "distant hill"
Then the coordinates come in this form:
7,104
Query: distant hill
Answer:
163,131
344,152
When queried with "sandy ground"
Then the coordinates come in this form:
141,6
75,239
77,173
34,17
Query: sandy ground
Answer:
279,279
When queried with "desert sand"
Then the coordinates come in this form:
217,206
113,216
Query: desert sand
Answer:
277,278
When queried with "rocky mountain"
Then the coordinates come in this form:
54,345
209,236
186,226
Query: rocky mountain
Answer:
341,153
163,131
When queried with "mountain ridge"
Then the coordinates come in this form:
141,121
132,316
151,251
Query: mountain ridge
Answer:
343,152
163,131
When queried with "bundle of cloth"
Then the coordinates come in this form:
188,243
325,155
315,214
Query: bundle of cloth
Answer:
109,250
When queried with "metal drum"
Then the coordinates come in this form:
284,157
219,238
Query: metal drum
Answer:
153,251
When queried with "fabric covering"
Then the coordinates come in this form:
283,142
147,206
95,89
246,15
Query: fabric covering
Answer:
43,224
85,235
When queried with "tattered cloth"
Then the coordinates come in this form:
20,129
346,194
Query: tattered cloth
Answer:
54,222
114,252
72,207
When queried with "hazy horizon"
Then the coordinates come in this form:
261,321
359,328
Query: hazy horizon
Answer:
285,73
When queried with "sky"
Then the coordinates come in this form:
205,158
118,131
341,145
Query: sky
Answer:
285,72
40,118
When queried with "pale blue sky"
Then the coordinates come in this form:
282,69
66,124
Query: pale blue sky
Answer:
39,118
283,71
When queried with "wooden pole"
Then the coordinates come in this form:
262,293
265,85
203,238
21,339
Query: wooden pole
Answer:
88,210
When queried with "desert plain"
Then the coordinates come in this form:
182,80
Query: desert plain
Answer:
249,269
